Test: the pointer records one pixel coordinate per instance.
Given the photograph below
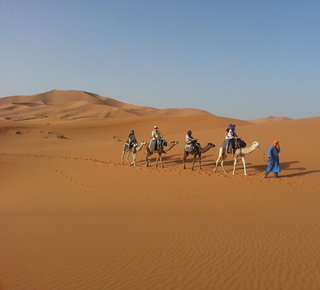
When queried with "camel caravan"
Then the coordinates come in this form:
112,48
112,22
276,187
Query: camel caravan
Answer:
232,145
156,145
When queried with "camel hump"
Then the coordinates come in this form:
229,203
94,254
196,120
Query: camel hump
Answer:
193,147
156,144
133,143
239,143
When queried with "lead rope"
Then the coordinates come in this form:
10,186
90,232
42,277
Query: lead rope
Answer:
264,155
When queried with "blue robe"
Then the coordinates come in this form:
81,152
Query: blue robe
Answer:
273,165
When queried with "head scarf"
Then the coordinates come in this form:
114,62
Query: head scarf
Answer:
232,128
275,143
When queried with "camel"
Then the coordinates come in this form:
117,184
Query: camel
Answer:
240,152
159,151
197,152
126,151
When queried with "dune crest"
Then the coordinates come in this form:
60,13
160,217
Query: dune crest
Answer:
79,104
271,119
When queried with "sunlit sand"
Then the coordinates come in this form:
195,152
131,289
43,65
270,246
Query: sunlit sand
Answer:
73,217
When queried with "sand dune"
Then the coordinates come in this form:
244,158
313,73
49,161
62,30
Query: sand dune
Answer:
78,104
270,119
73,217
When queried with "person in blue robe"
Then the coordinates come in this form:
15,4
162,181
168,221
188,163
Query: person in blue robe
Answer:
273,159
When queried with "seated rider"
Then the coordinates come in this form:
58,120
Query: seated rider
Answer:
190,141
232,136
227,137
132,139
156,135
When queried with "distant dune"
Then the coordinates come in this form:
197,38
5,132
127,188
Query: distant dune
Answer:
79,104
271,119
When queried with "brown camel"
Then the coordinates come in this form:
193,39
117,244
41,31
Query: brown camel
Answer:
126,152
240,152
159,151
196,152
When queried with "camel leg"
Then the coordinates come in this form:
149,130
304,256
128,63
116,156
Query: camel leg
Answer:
160,157
244,165
156,165
220,159
148,154
200,161
185,155
134,158
234,165
122,156
217,162
222,162
193,161
127,157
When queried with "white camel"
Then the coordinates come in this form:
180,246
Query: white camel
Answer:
240,152
126,152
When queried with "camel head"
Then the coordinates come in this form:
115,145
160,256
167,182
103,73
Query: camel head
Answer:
174,143
255,144
137,149
211,145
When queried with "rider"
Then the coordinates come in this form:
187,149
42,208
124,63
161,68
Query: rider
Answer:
227,137
190,140
132,139
232,135
156,135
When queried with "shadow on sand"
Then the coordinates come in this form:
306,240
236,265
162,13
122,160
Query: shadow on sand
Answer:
207,163
177,159
286,167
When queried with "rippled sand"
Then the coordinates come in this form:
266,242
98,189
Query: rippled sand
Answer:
73,217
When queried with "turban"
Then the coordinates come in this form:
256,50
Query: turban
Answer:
275,143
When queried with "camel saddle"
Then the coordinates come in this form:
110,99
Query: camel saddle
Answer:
234,144
239,143
134,143
156,144
192,147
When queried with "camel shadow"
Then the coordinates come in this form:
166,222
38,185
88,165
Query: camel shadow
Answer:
166,158
172,159
177,159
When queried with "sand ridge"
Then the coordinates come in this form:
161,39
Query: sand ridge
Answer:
271,119
79,104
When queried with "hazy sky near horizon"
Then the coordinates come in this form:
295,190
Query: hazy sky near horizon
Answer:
239,59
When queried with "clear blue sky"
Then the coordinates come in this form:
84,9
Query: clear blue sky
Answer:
240,59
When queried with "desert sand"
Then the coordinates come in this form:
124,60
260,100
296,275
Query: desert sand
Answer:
74,217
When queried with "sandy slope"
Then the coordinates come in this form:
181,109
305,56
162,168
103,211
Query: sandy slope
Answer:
79,104
270,119
72,217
